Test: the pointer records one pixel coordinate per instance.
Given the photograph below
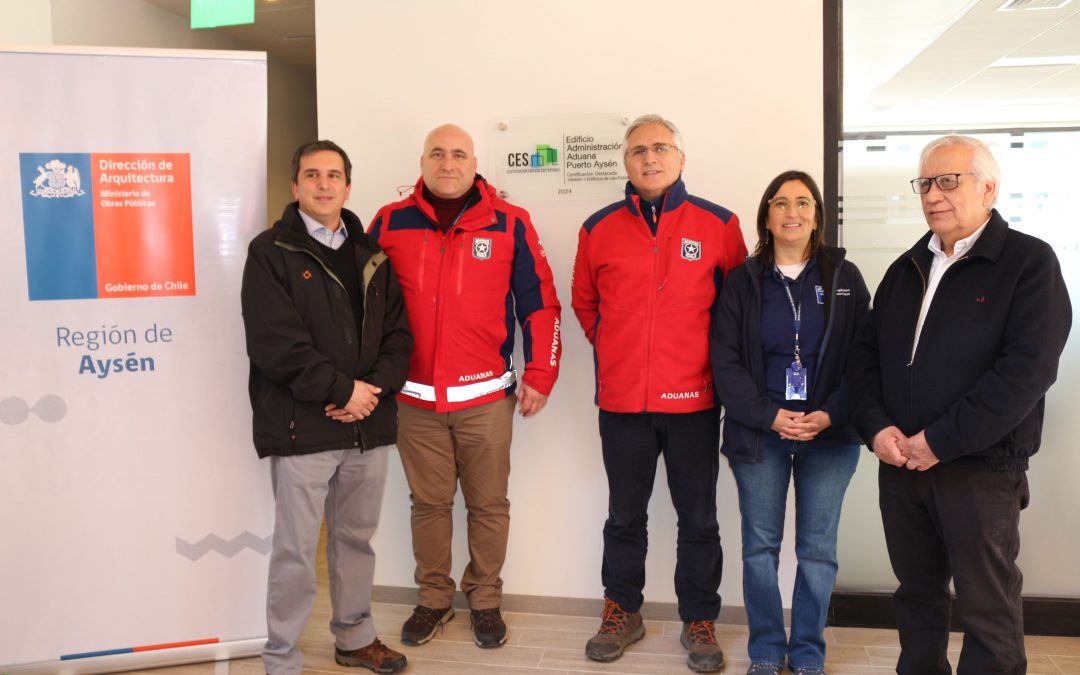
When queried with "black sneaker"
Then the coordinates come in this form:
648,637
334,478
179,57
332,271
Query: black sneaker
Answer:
376,656
421,626
488,627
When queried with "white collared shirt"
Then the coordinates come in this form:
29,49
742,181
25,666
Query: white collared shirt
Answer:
938,265
323,235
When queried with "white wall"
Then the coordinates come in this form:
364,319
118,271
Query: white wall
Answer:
291,120
134,23
25,23
744,83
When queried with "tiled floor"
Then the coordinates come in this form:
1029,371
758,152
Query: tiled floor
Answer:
548,644
553,645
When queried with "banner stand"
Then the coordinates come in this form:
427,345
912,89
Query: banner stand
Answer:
137,516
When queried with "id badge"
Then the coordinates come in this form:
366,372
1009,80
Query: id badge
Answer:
795,384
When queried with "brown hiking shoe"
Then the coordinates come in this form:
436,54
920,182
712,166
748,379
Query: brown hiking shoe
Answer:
618,628
421,626
699,638
376,656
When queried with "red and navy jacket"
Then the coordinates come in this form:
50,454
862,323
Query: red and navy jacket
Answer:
646,301
463,289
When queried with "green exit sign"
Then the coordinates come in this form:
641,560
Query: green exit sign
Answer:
214,13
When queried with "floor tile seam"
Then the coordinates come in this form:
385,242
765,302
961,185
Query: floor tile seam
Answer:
417,649
502,666
1058,665
632,654
551,630
486,656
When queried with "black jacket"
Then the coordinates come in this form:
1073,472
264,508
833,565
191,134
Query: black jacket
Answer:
988,351
301,339
739,365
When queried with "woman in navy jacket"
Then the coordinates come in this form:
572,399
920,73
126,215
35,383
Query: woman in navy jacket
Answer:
779,346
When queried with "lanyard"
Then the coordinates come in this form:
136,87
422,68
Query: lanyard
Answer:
796,310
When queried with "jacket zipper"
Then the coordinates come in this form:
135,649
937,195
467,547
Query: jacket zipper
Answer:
423,259
460,262
911,363
359,338
651,306
911,370
828,328
922,278
374,262
440,305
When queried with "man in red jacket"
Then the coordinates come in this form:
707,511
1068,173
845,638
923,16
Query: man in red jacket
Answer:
646,278
469,262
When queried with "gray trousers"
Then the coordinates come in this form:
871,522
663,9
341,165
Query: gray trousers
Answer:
348,485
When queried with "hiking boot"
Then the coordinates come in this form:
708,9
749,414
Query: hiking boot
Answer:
699,638
618,629
488,628
421,626
376,656
764,669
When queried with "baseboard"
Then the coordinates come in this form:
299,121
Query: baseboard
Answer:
1042,616
537,604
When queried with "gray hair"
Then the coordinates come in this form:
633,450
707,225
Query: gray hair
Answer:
646,120
983,164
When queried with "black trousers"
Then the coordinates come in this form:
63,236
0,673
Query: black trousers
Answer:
961,523
632,444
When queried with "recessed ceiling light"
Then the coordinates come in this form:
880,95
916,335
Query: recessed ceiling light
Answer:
1027,61
996,103
1012,5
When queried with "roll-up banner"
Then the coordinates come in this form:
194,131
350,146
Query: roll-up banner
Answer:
135,518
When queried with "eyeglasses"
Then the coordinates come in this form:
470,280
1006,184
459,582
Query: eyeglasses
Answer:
802,204
661,150
946,181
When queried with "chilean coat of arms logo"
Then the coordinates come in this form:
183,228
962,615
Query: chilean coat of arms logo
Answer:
57,180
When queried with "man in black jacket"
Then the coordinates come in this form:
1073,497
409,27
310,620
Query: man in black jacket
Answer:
329,342
949,377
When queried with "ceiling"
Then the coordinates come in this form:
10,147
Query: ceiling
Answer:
918,64
928,64
282,28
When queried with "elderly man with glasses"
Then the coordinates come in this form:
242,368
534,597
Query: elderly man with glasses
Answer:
646,278
949,378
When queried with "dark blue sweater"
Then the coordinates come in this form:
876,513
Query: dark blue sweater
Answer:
738,362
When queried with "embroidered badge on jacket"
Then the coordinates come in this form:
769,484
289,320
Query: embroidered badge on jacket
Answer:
481,248
691,250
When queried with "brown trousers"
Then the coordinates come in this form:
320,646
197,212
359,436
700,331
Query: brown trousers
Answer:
437,451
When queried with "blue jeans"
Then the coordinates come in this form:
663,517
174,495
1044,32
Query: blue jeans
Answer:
822,474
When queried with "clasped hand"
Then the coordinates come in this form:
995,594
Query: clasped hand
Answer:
893,447
798,426
362,402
